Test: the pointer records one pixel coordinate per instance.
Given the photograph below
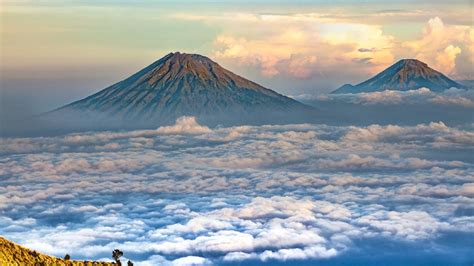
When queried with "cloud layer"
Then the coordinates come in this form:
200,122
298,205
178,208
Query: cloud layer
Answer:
187,194
450,98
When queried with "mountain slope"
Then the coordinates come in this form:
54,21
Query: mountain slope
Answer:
181,84
13,254
406,74
469,84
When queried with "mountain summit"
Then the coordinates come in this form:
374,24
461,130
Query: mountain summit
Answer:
182,84
406,74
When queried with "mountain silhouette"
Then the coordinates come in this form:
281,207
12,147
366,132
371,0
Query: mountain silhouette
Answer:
182,84
406,74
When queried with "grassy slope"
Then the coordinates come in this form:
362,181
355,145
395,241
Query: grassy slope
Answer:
13,254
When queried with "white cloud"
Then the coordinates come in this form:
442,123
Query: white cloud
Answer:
441,45
184,125
191,261
436,134
450,97
311,252
411,225
302,196
454,100
297,51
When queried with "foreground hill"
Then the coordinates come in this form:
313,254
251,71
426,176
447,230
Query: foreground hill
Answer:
13,254
406,74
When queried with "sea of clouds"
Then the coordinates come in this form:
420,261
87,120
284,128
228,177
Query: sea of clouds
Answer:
451,97
187,194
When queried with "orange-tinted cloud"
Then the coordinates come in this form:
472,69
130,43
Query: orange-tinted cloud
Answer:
441,46
300,46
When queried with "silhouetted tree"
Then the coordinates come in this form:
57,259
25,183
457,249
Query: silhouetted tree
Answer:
129,263
116,254
67,257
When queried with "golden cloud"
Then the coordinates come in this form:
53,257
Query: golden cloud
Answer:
299,46
440,46
302,45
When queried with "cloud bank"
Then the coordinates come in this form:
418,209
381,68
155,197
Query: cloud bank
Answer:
451,97
191,195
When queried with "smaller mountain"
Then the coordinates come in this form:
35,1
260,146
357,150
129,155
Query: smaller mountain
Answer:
13,254
406,74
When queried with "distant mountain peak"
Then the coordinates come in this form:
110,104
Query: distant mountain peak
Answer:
406,74
181,64
185,58
411,61
189,56
181,84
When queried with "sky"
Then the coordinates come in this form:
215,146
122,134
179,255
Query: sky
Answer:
54,52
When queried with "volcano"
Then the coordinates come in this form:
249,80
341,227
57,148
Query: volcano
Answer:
406,74
182,84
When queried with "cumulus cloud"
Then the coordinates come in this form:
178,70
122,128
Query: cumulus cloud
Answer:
191,261
409,225
440,46
184,125
452,97
297,253
436,133
390,97
309,46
